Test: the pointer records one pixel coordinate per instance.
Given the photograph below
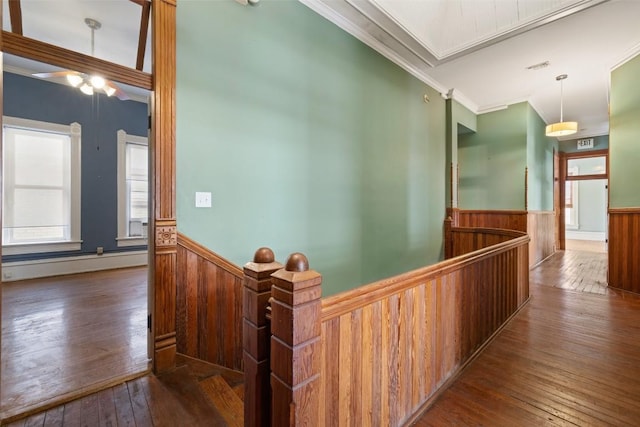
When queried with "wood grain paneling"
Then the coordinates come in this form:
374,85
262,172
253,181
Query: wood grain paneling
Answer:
208,306
624,250
163,269
467,239
506,219
18,45
389,347
541,227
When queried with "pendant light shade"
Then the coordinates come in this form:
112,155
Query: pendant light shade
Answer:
561,128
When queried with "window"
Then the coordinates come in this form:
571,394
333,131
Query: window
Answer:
571,199
133,189
41,185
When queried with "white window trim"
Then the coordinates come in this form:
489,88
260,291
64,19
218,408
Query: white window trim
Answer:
74,130
123,239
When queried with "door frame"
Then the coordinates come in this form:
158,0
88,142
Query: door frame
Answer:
563,159
163,231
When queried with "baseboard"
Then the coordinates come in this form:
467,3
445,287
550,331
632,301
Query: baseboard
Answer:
585,235
21,270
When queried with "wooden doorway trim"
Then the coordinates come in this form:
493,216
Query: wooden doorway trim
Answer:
564,177
163,241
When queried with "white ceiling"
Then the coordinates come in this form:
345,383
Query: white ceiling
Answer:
476,51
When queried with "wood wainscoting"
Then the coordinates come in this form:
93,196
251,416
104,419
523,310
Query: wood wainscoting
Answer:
506,219
540,225
541,229
624,249
208,306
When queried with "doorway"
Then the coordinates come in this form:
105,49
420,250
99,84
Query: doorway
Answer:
63,334
585,201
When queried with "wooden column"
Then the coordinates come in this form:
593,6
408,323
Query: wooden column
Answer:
164,244
448,238
295,344
256,337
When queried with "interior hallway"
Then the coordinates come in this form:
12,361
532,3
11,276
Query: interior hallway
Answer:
568,358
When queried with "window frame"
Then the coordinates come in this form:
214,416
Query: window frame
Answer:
74,130
123,239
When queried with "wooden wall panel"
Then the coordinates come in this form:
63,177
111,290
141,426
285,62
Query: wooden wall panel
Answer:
208,306
624,249
467,239
162,176
541,227
389,348
509,220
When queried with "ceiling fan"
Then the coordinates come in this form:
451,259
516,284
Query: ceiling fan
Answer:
88,83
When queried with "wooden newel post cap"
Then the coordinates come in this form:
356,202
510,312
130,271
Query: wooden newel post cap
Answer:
264,256
297,262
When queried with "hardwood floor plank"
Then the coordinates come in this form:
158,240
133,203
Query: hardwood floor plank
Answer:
54,417
72,414
35,420
225,400
106,409
139,404
123,406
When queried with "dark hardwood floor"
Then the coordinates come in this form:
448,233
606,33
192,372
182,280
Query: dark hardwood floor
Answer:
567,358
66,336
195,394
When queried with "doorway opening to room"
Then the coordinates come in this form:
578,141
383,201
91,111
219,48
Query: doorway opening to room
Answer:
75,269
585,201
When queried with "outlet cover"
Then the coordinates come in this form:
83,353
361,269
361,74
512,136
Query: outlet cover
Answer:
203,199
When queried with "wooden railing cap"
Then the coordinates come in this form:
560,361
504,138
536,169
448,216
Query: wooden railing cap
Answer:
263,264
297,262
264,256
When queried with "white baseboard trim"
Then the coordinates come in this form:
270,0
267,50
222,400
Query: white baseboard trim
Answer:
21,270
585,235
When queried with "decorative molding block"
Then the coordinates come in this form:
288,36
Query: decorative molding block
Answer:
166,236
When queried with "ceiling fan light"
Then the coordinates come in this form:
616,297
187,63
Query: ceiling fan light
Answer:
97,82
561,129
86,89
74,79
109,90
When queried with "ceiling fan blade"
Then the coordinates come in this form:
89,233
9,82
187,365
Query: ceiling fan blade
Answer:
54,74
119,93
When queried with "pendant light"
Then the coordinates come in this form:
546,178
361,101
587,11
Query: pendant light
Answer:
561,128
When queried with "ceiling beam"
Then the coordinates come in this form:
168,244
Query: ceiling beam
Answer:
25,47
142,39
15,13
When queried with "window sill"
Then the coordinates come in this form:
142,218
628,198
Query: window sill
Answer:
131,241
40,248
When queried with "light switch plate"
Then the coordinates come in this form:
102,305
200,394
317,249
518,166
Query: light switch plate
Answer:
203,199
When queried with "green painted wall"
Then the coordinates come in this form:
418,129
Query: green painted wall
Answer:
308,141
459,120
539,163
492,160
624,136
571,145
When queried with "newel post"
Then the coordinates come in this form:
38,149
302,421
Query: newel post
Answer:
295,344
256,337
448,238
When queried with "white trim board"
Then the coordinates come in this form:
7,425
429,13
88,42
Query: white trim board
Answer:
585,235
21,270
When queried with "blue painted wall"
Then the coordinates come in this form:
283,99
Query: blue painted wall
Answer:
100,117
